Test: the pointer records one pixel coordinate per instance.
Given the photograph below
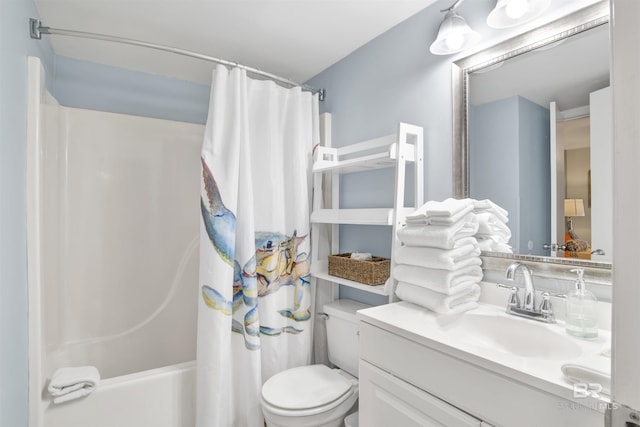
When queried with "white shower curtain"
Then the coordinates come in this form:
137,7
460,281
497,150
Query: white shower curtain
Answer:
254,311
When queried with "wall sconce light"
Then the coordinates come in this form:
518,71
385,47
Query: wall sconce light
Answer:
510,13
454,35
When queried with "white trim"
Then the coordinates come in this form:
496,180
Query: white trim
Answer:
626,201
35,91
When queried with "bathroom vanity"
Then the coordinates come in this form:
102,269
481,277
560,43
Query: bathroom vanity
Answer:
480,368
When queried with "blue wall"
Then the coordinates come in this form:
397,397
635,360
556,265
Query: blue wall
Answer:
535,178
15,46
94,86
513,167
494,169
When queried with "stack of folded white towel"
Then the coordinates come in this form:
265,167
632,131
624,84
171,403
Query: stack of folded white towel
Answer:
73,382
438,266
493,233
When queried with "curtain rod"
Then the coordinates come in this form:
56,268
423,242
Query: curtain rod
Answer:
36,29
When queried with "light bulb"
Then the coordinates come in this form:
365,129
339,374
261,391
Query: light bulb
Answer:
454,41
516,8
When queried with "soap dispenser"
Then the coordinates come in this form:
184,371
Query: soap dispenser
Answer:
582,313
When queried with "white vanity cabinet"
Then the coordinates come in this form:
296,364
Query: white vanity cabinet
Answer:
407,379
386,400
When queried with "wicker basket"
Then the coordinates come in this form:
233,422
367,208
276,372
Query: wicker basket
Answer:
370,272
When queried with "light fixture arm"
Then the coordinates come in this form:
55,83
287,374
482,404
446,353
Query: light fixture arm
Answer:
453,7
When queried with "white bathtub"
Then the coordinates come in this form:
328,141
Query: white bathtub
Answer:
163,397
113,238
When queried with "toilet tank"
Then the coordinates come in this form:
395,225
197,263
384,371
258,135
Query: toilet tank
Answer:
342,334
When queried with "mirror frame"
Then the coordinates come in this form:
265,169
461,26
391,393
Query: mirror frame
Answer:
575,23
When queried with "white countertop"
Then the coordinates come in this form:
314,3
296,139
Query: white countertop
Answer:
441,333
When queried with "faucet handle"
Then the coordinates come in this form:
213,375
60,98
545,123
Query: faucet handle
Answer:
546,310
545,305
514,299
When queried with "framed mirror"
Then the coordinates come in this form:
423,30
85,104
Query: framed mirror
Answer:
524,115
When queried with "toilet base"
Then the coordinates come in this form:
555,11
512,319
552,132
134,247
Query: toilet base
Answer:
337,423
333,418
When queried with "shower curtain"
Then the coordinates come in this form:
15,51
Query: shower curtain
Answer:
255,302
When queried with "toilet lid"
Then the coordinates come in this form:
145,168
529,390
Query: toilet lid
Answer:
305,387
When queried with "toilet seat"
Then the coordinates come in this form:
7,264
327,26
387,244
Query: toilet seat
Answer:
306,391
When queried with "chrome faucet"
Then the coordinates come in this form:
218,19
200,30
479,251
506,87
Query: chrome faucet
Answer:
528,309
529,288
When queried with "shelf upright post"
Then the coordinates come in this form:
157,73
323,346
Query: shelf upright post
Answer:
409,146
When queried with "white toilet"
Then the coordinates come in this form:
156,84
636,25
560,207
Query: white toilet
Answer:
318,396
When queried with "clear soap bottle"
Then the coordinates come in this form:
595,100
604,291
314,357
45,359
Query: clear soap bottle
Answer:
582,313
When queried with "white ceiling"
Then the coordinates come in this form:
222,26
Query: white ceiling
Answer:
296,39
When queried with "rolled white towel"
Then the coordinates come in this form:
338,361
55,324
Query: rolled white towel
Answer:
448,220
487,205
73,382
502,247
483,238
444,281
493,244
444,259
440,303
436,236
449,207
499,237
419,216
448,212
438,219
490,225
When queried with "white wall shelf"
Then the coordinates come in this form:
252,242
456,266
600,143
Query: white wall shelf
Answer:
320,270
377,153
375,216
388,151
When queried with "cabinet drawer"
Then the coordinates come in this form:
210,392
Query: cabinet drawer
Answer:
388,401
489,396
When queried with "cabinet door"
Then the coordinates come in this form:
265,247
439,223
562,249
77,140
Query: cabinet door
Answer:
601,178
388,401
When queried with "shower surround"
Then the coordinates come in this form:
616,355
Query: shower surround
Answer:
113,232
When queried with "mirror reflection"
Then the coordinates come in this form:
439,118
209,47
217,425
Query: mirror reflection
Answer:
539,145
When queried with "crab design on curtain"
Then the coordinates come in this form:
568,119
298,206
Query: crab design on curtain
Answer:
276,263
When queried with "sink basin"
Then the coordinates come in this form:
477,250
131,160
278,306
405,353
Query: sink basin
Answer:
510,334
